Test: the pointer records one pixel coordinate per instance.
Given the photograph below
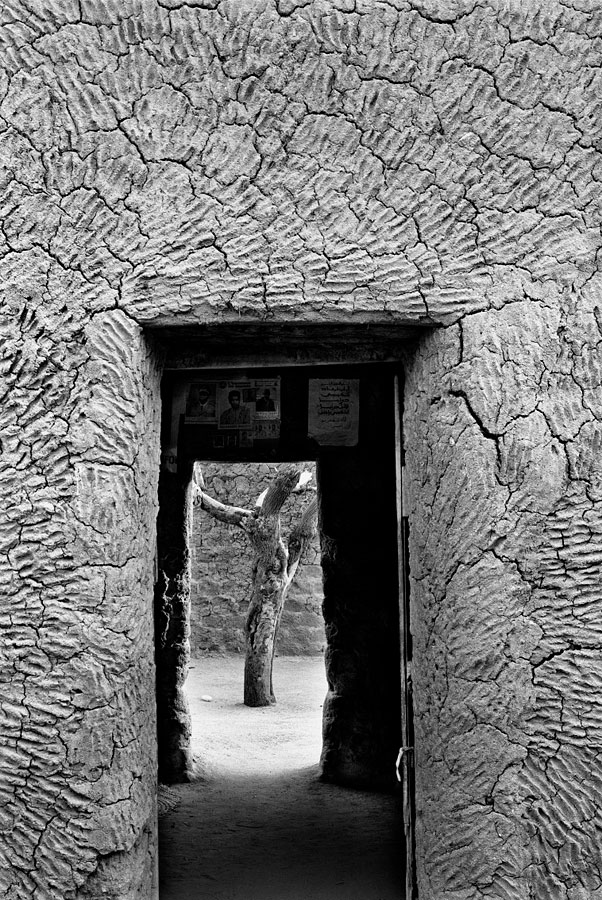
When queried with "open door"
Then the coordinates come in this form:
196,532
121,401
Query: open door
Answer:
405,759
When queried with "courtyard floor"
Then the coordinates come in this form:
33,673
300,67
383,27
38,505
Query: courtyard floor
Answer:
258,824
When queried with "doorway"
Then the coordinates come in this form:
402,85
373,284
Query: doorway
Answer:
358,523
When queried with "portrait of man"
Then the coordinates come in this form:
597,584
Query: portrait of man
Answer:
267,399
200,403
265,402
236,415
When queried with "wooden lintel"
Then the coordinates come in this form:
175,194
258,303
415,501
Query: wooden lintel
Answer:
240,348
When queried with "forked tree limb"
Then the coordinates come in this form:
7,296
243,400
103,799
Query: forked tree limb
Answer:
303,483
264,531
300,488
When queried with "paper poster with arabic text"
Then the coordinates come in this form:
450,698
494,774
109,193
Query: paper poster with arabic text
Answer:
333,414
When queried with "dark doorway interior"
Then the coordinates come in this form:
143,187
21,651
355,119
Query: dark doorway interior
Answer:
358,527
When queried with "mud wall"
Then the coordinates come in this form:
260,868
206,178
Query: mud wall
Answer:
80,430
503,415
221,565
428,162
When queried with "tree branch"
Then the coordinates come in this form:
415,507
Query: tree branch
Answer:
303,483
302,534
230,515
279,491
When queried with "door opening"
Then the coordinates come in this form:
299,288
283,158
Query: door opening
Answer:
358,524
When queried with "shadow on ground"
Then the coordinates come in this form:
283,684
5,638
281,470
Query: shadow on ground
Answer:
259,825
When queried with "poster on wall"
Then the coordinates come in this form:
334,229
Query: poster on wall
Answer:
266,422
333,413
201,403
235,403
229,414
267,399
251,407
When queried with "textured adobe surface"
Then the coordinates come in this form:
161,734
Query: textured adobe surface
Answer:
80,462
222,562
293,158
418,160
505,596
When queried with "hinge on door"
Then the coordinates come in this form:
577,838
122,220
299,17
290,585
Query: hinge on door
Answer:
403,751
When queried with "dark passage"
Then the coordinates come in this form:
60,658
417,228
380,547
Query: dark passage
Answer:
259,825
357,520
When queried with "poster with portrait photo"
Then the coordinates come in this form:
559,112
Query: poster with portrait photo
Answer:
201,405
235,402
267,398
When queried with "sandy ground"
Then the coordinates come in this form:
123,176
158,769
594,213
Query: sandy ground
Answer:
259,825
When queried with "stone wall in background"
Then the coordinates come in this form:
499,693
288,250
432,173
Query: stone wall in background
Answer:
222,562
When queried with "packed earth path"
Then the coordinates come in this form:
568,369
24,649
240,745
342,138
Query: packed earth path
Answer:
258,824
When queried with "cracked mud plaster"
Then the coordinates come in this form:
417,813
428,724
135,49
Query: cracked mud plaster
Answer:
425,161
415,159
506,565
79,463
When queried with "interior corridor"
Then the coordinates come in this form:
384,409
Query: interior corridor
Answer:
258,824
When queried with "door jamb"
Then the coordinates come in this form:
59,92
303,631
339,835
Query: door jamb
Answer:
405,758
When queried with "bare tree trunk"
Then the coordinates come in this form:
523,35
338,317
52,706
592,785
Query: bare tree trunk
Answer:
274,569
263,618
270,584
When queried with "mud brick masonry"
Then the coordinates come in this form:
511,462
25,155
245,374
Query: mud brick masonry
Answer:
409,164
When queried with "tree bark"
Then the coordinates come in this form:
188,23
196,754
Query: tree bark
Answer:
270,584
274,569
